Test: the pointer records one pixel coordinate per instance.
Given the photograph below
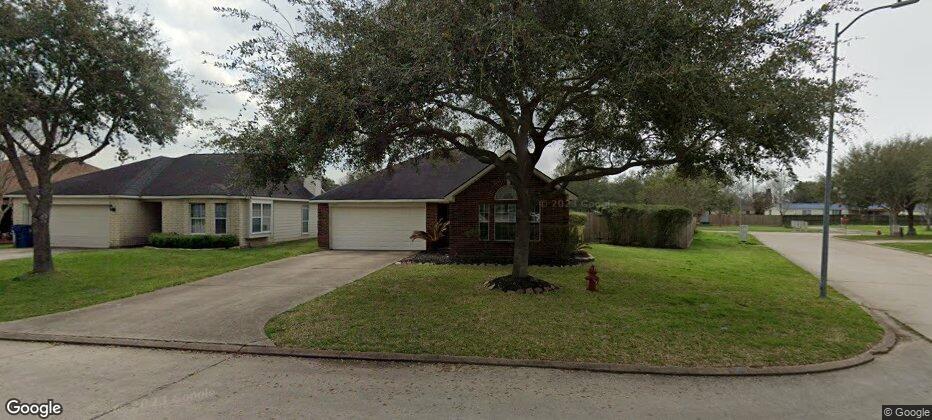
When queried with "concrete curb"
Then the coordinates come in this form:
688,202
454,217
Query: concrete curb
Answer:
882,347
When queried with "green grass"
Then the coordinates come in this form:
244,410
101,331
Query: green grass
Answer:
920,247
720,303
752,228
869,233
89,277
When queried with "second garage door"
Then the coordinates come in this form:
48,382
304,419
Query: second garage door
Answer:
382,227
80,226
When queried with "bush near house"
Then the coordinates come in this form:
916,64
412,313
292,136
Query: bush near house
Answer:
175,240
577,219
654,226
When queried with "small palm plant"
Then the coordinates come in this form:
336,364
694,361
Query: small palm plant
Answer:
434,232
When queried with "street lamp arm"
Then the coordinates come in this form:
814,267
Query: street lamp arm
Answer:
900,3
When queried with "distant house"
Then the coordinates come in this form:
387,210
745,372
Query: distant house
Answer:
9,183
920,210
380,211
191,195
808,209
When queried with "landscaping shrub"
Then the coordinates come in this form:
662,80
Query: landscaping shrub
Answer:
566,241
654,226
175,240
577,219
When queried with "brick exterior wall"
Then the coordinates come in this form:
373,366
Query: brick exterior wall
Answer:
431,214
463,232
323,226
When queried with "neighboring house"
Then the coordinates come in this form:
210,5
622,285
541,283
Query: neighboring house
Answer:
807,209
382,210
192,194
878,209
9,182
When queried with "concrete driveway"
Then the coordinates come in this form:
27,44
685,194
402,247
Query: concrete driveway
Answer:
229,308
897,282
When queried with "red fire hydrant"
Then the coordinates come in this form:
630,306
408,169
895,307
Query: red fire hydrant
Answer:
592,279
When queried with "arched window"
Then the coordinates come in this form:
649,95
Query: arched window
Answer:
507,192
505,216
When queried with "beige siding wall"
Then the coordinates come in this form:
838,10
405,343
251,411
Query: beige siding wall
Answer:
176,215
132,222
134,219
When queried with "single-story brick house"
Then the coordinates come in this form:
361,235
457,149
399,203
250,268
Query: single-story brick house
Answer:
382,210
193,194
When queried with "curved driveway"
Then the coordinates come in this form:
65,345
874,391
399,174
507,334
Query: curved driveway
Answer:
229,308
896,282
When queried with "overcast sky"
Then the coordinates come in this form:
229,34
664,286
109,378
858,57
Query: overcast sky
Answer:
892,47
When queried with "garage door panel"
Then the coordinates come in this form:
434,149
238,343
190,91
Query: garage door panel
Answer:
377,227
80,226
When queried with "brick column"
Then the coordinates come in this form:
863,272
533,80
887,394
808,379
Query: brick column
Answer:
323,226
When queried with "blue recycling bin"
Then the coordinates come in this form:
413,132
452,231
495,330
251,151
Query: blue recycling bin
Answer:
22,236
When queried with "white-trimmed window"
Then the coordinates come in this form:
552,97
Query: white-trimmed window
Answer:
485,218
198,218
506,218
506,221
261,218
220,218
306,218
27,214
535,222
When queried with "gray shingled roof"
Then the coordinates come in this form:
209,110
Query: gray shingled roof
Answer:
414,179
195,174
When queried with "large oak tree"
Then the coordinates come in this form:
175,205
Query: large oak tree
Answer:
712,86
76,77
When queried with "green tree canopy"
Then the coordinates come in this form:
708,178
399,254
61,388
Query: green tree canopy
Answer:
885,174
714,87
77,77
699,194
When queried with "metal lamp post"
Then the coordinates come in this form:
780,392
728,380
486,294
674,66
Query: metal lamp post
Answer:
826,211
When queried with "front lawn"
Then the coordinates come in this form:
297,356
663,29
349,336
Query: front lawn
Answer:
920,247
89,277
720,303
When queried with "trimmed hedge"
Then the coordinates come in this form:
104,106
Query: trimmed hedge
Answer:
654,226
175,240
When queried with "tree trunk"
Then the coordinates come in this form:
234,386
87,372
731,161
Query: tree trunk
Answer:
893,222
41,239
911,230
522,242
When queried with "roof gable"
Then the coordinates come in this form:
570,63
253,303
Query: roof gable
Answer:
418,179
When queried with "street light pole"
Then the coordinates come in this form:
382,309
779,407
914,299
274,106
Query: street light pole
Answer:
826,200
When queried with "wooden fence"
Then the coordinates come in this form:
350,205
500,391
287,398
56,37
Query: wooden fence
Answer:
596,230
745,219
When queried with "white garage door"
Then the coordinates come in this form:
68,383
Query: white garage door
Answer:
80,226
377,227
